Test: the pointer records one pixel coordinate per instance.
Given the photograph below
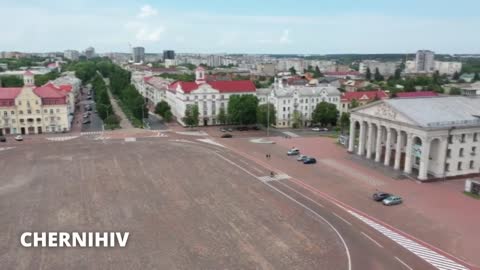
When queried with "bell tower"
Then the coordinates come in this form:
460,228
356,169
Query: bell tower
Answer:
200,75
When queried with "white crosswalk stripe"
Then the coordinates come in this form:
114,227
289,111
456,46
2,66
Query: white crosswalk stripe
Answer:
437,260
61,139
276,177
6,148
101,138
93,133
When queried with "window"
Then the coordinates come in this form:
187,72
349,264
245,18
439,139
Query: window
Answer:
474,150
58,110
51,111
29,111
12,112
472,163
447,167
5,113
450,139
475,137
462,140
188,98
449,153
38,111
459,166
19,102
460,153
45,111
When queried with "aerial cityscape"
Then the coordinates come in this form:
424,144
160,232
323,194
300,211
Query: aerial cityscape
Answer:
240,135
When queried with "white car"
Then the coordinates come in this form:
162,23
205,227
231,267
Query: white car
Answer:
19,138
318,129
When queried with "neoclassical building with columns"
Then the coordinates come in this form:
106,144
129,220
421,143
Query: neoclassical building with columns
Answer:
427,138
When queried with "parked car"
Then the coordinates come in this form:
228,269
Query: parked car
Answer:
229,129
293,152
227,135
85,115
86,122
3,139
380,196
309,160
319,129
392,200
301,157
223,130
19,138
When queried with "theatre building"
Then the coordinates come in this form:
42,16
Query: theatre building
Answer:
427,138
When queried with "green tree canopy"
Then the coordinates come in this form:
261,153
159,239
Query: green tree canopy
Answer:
325,114
242,109
262,112
222,116
368,74
293,71
378,77
191,115
344,121
161,108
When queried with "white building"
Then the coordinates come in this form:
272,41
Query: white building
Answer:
448,68
71,54
425,137
424,61
301,99
385,68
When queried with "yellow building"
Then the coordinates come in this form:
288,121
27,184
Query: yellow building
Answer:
33,110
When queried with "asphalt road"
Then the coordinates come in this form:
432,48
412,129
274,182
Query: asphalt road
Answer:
187,205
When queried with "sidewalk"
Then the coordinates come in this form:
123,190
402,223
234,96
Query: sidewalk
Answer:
124,122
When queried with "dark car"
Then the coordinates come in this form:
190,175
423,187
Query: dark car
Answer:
3,139
309,160
380,196
86,122
227,135
242,128
255,128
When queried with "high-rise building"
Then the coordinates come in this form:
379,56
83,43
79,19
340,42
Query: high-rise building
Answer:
71,54
424,61
168,54
90,52
138,54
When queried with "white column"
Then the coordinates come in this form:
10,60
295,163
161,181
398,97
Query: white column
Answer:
443,153
361,141
351,141
388,147
408,154
370,140
398,150
378,144
424,160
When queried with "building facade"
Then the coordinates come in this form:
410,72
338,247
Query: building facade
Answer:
33,110
90,52
297,102
168,54
385,68
71,55
425,61
427,138
361,98
448,68
138,54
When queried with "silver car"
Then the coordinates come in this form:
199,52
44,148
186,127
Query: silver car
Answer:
392,200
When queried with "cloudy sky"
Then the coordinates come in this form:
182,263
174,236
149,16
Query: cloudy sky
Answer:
242,26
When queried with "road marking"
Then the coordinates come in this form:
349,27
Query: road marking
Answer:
349,260
404,264
257,169
371,239
92,133
276,177
243,161
6,148
344,220
437,260
61,139
130,139
212,142
299,193
291,134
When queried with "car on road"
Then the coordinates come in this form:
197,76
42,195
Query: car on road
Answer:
319,129
3,139
18,138
392,200
380,196
229,129
293,152
89,97
223,130
309,160
301,157
227,135
86,122
86,115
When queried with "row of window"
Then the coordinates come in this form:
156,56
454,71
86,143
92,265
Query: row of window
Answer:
463,138
29,120
461,152
206,97
5,113
460,166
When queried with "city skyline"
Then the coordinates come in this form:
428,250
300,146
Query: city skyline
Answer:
315,27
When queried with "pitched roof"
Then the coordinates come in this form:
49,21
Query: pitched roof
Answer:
9,92
221,86
28,72
49,91
416,94
364,95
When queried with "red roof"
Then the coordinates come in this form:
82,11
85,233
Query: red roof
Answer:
48,91
417,94
9,92
364,95
221,86
28,72
66,87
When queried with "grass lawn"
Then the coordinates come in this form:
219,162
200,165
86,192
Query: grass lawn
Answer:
475,196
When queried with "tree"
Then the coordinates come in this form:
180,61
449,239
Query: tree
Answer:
354,104
476,77
293,71
242,109
112,121
317,73
378,77
325,113
222,116
161,108
398,74
297,119
344,121
455,91
262,112
168,116
11,81
368,74
456,75
191,115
